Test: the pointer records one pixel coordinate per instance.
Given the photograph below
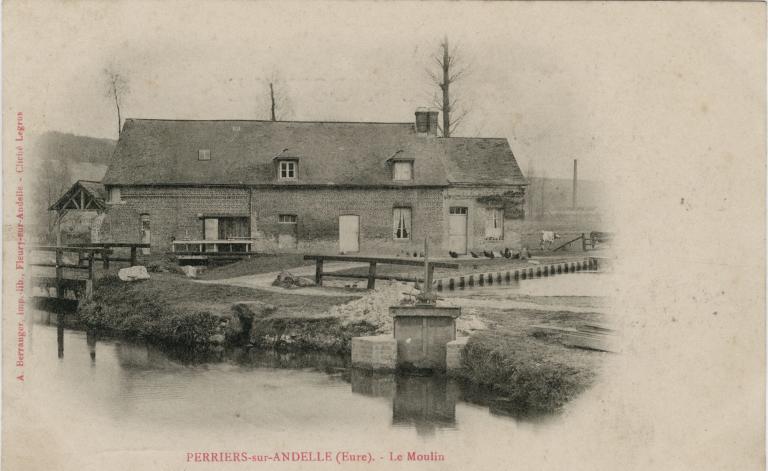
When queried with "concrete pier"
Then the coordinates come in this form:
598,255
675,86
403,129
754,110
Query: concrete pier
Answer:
422,332
378,352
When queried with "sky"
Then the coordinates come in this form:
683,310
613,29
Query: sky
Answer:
561,81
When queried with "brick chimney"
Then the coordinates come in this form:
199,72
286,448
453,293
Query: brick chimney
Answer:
426,121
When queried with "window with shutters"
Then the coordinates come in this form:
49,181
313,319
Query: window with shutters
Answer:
401,223
494,224
287,218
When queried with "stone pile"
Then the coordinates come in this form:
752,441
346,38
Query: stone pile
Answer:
289,281
373,306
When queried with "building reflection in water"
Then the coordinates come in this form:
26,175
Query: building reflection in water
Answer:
426,403
90,340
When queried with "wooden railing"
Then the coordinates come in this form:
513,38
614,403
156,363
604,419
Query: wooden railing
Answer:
200,247
108,251
372,263
82,287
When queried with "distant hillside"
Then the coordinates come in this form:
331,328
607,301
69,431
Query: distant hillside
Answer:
55,161
70,148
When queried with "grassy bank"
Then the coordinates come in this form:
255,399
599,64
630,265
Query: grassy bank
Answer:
533,372
171,309
256,265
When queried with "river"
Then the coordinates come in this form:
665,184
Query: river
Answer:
124,403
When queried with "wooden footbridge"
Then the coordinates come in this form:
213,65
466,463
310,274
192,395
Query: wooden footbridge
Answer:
75,268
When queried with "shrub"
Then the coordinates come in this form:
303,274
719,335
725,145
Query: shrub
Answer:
529,382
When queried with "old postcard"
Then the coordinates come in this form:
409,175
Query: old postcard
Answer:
383,235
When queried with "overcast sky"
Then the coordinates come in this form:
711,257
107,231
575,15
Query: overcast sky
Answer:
559,80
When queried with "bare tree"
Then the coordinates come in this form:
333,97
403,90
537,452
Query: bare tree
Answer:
116,88
279,102
449,71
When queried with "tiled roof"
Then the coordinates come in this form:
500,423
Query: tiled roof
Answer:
330,153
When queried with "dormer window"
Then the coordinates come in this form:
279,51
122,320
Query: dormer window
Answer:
204,154
288,170
402,170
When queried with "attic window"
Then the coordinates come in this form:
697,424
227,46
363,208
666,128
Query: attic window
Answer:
402,170
288,170
204,154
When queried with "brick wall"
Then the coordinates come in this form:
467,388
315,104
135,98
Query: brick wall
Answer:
175,213
318,212
478,200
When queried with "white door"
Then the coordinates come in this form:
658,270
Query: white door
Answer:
210,232
349,234
146,236
457,229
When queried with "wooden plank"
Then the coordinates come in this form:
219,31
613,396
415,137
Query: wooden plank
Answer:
378,277
372,275
391,261
71,249
199,252
570,241
112,245
63,265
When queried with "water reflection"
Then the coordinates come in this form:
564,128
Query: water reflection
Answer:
262,387
426,403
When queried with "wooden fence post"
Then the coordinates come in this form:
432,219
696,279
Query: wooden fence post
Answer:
91,267
105,257
319,272
134,260
372,275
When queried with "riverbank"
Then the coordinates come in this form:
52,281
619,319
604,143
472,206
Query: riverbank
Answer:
171,310
527,369
530,370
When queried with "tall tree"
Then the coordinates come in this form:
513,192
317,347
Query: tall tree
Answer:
116,89
449,70
278,101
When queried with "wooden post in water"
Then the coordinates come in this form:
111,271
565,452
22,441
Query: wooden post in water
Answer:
59,274
60,333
